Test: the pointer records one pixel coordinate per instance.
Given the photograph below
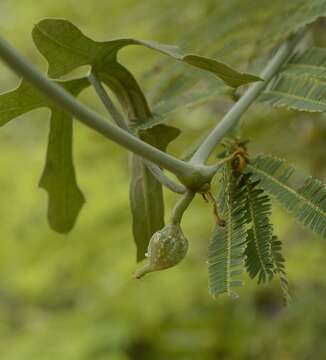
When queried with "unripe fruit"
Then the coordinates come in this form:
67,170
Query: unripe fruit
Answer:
166,248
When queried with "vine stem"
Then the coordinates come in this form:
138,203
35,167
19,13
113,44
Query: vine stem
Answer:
181,206
233,116
164,180
186,172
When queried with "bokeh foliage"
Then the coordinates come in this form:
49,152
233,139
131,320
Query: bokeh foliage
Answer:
72,297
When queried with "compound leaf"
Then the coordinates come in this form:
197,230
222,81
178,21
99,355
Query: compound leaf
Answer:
303,94
311,62
279,268
293,15
301,84
259,262
235,32
306,202
226,248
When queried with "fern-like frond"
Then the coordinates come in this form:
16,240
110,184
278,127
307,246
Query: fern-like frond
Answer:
259,262
295,15
301,84
241,32
279,265
226,249
312,62
297,93
306,202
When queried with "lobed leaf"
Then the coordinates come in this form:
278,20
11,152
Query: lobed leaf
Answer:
21,100
226,73
58,179
66,48
307,202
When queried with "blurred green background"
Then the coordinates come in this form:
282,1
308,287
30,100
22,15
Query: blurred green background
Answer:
73,297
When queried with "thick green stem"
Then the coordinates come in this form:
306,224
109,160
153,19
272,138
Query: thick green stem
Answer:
163,179
181,206
186,172
234,114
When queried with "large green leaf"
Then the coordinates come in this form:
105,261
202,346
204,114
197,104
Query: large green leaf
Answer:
66,48
58,179
19,101
306,202
226,248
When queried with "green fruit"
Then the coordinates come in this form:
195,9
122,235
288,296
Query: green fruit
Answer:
166,248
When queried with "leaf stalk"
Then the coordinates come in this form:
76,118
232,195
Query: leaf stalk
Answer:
181,206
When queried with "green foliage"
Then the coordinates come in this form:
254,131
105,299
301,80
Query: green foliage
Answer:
279,268
259,261
72,297
66,48
246,238
306,202
303,94
311,62
238,32
293,16
58,179
225,251
301,85
59,39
